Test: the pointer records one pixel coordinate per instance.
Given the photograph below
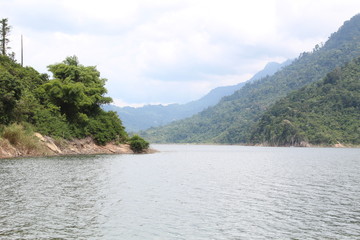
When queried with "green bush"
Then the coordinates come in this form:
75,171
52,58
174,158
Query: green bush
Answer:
49,121
138,144
106,127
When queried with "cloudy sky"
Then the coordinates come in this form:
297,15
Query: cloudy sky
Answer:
170,51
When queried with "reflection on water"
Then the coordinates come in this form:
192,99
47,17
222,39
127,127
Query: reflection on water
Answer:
184,192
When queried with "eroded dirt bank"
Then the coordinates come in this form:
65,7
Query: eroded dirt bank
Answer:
47,146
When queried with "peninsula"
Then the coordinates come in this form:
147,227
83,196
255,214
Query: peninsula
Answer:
58,116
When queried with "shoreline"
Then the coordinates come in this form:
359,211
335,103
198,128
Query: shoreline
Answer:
44,146
338,145
48,147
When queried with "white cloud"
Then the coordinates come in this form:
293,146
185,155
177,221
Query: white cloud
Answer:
171,51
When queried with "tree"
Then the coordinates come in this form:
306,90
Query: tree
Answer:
17,86
76,94
4,34
76,89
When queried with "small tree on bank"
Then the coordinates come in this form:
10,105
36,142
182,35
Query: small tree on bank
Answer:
138,144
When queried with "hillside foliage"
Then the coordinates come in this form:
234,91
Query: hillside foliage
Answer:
324,113
234,117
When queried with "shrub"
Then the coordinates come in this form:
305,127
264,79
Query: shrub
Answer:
138,144
13,133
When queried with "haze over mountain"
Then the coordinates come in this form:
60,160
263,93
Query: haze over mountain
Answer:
234,117
141,118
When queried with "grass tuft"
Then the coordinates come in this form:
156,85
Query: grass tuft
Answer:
23,139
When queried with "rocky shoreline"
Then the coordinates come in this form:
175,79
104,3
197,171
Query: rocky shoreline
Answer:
48,146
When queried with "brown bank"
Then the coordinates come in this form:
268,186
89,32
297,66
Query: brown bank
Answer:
47,146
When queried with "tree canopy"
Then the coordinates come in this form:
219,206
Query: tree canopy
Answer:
75,95
75,89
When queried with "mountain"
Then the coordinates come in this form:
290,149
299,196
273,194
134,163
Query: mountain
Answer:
136,119
234,117
323,113
270,69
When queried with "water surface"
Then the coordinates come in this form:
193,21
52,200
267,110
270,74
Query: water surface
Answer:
184,192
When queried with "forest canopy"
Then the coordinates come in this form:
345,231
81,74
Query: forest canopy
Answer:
323,113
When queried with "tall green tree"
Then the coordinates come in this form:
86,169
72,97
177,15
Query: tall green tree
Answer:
76,89
77,93
4,35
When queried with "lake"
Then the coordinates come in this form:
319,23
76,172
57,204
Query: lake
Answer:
184,192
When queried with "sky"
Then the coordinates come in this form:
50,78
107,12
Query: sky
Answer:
170,51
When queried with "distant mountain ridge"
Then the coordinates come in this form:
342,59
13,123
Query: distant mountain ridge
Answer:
233,119
136,119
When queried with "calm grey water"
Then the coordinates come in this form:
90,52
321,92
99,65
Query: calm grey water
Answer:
184,192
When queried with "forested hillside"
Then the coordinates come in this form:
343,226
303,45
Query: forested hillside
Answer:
232,120
136,119
323,113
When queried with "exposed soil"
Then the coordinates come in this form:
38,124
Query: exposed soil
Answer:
50,147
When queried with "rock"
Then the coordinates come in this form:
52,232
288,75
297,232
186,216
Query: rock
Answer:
118,148
49,143
7,150
40,137
304,144
53,147
339,145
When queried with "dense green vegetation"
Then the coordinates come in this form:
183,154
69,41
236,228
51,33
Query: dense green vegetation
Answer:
137,144
234,118
324,113
17,102
67,106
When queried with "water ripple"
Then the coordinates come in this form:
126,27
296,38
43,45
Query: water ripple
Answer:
184,192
